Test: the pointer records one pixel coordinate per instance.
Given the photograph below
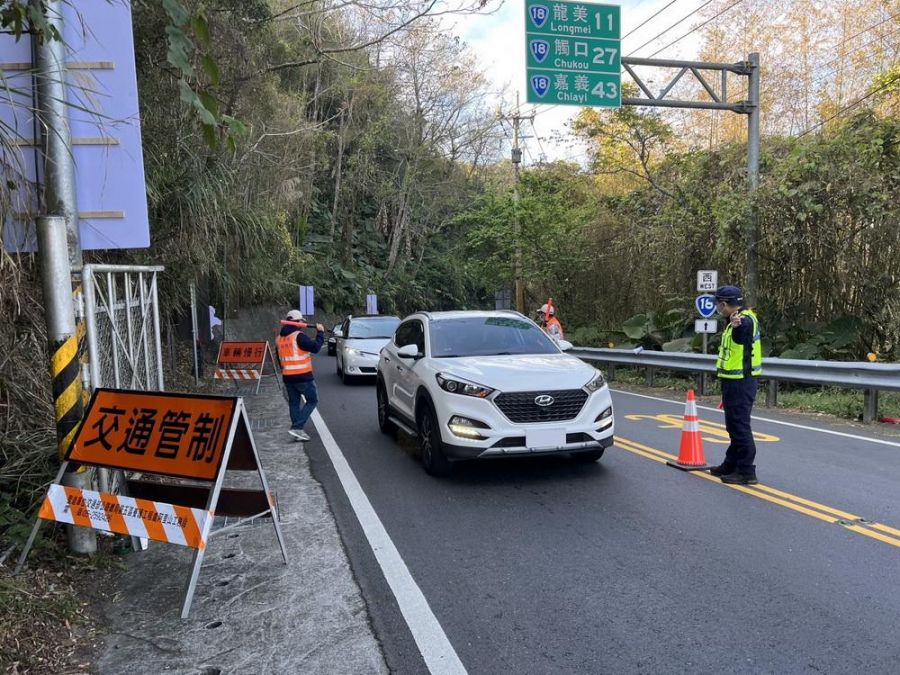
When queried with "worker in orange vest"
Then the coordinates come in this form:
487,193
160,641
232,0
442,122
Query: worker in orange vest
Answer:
295,350
548,321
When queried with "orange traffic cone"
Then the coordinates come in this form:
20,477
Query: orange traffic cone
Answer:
690,454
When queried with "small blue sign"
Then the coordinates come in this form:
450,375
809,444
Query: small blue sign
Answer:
706,305
539,50
539,14
307,306
540,84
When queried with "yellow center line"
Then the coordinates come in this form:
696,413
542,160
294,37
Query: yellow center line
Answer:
785,499
885,528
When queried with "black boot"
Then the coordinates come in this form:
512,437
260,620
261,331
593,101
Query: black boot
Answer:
723,469
740,478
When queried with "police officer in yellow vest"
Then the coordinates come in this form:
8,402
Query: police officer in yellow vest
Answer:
295,350
738,367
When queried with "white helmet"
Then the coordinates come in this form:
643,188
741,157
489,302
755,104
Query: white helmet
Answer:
294,315
544,309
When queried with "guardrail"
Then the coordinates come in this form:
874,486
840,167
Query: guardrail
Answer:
870,377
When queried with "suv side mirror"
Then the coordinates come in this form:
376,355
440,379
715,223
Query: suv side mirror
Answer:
408,352
565,345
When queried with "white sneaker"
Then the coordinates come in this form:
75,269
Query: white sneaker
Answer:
299,434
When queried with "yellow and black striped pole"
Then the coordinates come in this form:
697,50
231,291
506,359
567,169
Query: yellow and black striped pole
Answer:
81,334
68,403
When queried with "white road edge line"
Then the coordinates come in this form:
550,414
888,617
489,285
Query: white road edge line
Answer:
432,641
769,419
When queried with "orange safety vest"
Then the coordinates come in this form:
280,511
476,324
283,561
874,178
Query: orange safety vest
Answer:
549,328
294,361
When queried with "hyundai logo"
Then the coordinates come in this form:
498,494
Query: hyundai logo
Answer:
543,400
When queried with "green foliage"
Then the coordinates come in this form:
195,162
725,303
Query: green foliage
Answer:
838,402
608,249
27,16
665,331
838,340
588,336
189,43
15,524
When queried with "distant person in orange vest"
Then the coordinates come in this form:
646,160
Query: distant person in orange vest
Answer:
295,350
548,321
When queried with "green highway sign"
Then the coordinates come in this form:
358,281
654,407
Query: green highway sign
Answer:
581,54
584,89
573,53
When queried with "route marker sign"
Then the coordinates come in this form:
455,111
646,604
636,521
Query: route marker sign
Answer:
706,326
707,280
706,305
573,53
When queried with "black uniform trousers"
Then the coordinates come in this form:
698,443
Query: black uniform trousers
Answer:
738,397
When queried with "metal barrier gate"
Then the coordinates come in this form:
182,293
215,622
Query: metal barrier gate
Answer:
122,315
121,310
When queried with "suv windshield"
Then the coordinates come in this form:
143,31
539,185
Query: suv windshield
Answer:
487,336
374,328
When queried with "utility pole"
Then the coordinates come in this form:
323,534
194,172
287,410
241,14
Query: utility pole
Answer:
516,119
59,248
753,177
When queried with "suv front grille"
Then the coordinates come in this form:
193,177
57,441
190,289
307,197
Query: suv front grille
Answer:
520,408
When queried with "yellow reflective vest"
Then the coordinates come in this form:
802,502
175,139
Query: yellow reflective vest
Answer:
732,363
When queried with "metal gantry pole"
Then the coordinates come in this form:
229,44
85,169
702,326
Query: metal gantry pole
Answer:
718,95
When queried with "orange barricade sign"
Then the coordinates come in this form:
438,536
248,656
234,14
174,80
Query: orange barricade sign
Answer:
174,435
169,523
242,352
171,434
251,355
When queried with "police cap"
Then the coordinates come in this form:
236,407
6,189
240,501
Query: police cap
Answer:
730,294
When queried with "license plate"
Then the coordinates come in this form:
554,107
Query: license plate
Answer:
540,439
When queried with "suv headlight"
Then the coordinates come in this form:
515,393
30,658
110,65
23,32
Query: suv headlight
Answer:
465,427
464,388
595,384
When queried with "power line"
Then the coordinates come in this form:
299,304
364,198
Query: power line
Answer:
696,28
645,21
538,138
866,30
684,18
855,103
855,49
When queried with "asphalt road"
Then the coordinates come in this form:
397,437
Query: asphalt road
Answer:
545,565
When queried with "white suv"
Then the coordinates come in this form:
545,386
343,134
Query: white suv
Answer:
474,385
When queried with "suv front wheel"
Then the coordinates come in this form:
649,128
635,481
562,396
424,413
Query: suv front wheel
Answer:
430,444
384,411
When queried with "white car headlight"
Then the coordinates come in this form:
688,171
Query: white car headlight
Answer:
596,384
352,352
463,388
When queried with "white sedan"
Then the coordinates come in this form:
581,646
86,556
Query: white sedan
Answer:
360,343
